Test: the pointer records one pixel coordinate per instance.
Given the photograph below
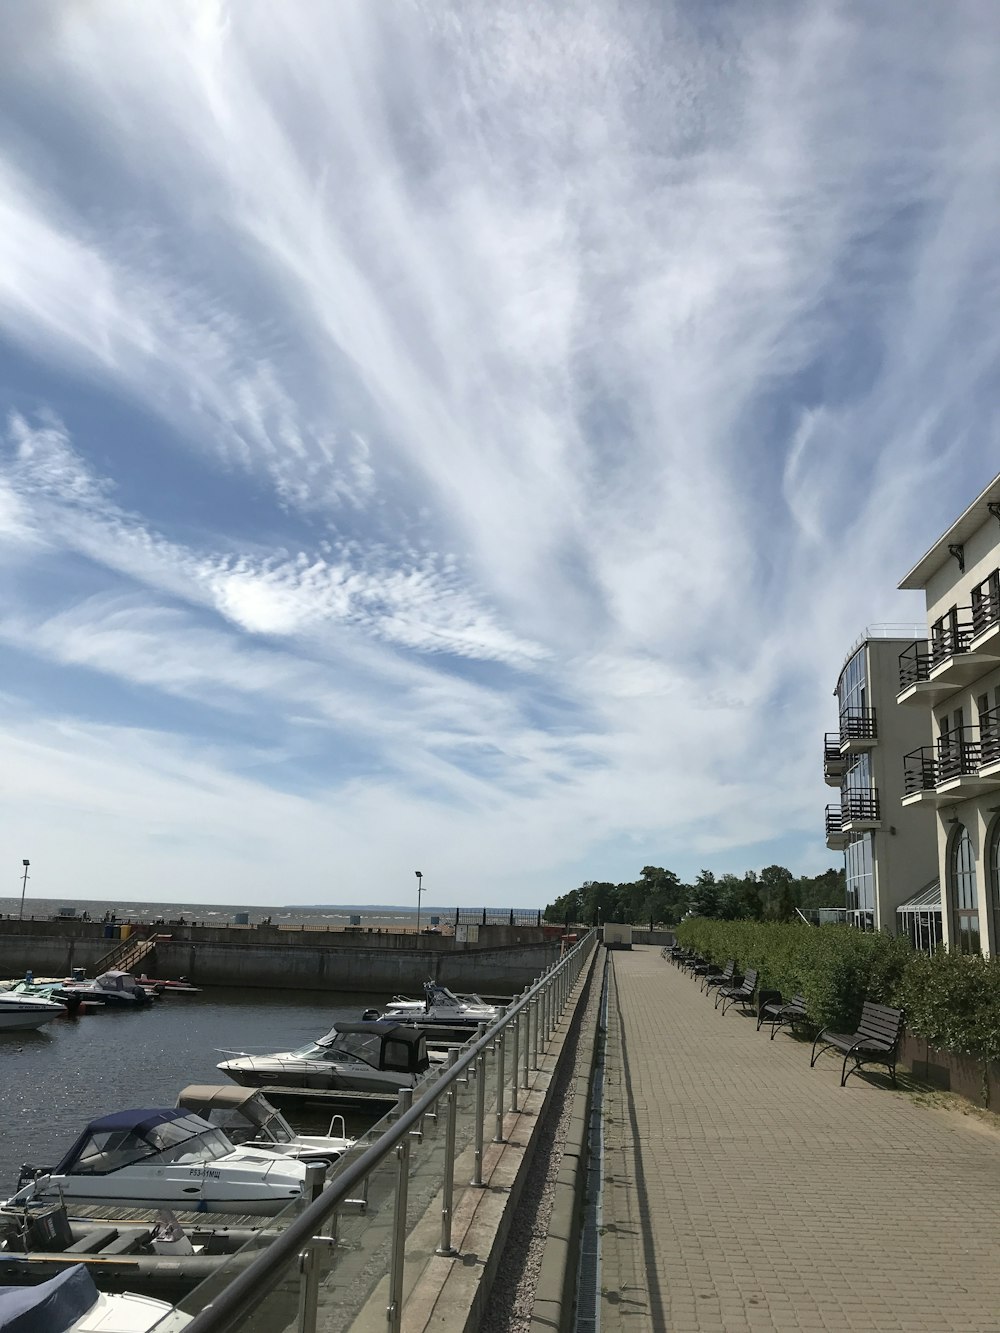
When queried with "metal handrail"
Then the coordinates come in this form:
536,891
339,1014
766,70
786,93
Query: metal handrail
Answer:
236,1299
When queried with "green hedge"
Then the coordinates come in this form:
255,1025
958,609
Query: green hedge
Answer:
951,1000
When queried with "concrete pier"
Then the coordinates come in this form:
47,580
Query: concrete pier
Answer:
502,960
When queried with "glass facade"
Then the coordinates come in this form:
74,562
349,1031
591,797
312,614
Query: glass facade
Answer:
859,860
964,898
852,688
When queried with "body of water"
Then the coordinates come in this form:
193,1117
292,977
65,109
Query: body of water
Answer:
53,1081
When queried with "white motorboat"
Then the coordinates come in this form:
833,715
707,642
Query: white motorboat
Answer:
356,1057
165,1158
248,1119
442,1007
20,1013
70,1303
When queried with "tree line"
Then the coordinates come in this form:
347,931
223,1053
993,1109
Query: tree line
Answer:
659,895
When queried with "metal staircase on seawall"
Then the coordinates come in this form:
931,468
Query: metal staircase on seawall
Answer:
128,953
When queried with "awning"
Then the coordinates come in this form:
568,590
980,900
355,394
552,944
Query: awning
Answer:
927,899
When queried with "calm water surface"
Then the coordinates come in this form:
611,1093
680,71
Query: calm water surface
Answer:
53,1081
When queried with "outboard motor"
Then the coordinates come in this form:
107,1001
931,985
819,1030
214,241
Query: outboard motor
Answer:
30,1173
48,1229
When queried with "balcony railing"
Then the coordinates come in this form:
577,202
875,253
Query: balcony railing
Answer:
951,635
989,736
858,724
959,753
859,806
920,770
986,604
834,821
914,664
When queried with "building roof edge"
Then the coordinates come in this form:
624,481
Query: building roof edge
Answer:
963,527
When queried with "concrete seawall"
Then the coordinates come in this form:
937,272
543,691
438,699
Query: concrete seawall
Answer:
292,960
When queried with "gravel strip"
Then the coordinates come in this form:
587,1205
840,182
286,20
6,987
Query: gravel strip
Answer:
513,1294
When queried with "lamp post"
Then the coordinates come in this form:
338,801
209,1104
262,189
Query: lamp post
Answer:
420,888
24,885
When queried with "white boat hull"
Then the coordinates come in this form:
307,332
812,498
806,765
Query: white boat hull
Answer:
19,1014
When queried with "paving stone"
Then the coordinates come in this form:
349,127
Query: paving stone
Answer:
749,1191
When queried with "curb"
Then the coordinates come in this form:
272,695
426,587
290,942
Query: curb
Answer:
555,1292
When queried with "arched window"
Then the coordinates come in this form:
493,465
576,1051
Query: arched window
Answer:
993,870
964,898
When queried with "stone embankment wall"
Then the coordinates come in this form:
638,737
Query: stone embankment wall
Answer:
503,961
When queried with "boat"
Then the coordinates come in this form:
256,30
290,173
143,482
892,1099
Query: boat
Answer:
180,987
21,1013
164,1157
48,990
162,1256
442,1007
71,1303
248,1119
358,1057
114,989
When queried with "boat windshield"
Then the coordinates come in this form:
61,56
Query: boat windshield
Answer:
238,1129
187,1139
365,1046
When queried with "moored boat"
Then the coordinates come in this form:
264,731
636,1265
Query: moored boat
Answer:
114,989
22,1013
164,1157
441,1007
249,1120
162,1257
357,1057
71,1303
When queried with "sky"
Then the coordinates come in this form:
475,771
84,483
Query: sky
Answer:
469,437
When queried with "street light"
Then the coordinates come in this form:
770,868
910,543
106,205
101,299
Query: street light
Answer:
420,888
24,885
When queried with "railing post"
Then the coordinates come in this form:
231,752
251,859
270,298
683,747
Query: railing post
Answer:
394,1310
515,1031
535,1016
448,1189
527,1044
477,1159
501,1045
309,1258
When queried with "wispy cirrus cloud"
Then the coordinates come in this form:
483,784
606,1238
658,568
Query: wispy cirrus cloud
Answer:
533,406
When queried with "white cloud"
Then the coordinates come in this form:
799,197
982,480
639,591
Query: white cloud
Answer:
598,373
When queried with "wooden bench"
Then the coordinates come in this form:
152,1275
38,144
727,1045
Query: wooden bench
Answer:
779,1014
727,977
742,994
876,1041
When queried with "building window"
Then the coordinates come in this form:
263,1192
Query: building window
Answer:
859,859
964,898
993,870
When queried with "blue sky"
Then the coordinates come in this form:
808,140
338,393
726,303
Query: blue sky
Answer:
469,437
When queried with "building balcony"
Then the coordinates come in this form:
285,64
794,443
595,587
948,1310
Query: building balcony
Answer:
989,744
920,771
960,766
985,640
860,810
834,763
931,669
858,730
836,837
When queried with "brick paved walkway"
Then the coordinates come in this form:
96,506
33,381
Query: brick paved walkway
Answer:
745,1191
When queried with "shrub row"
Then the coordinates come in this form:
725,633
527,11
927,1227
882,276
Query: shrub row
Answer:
951,1000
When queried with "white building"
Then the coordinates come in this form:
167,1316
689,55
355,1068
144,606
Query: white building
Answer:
890,852
953,679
